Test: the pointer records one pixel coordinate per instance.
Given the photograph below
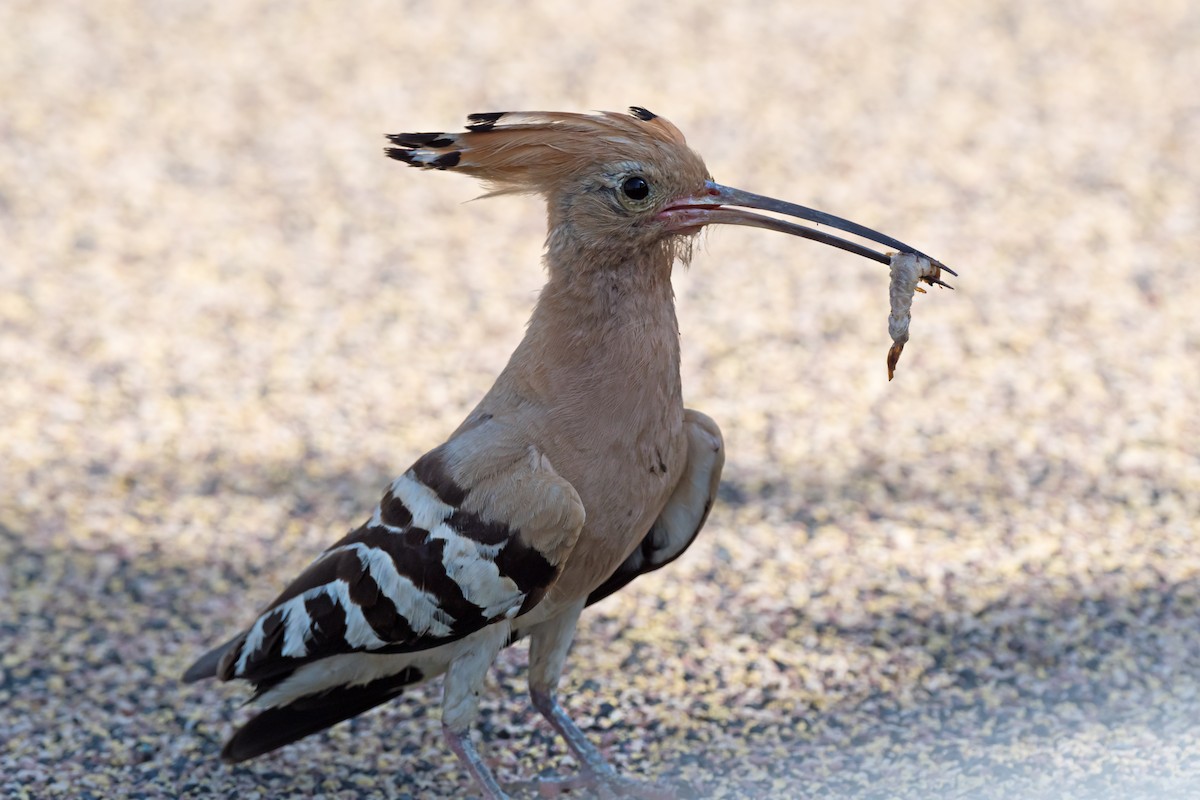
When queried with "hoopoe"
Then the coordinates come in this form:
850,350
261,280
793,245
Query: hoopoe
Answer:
578,471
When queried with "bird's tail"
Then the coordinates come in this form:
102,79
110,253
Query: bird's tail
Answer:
283,724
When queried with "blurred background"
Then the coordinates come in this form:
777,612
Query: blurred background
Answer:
227,321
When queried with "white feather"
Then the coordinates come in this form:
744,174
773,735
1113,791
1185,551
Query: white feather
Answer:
357,669
418,607
472,566
253,641
426,509
359,632
297,627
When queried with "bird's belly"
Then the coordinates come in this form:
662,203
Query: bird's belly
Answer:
621,504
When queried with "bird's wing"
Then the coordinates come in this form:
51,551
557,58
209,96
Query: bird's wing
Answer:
475,532
685,512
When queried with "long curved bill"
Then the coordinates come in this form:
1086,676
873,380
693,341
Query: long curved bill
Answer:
713,206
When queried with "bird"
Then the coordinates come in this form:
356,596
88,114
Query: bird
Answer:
579,471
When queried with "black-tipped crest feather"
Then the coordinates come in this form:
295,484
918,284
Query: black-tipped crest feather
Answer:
536,151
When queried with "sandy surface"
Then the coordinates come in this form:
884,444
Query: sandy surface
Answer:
226,321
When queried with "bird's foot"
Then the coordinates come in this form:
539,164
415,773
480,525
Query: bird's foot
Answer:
600,786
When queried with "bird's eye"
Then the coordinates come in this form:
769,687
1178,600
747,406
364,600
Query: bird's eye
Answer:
636,188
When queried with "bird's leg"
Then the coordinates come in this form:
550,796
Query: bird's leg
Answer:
460,742
547,656
548,648
460,702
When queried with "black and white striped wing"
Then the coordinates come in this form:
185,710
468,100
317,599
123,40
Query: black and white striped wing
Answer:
428,568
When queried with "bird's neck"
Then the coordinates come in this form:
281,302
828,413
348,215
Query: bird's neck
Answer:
602,334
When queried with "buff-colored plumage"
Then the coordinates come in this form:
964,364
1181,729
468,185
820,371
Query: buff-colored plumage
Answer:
579,470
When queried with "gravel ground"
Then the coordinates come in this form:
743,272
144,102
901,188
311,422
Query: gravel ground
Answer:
226,321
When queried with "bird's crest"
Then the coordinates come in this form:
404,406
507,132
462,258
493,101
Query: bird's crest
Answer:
536,151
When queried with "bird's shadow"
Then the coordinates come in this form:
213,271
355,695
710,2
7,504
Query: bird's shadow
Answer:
989,693
1043,661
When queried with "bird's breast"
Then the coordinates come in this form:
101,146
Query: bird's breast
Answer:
595,386
623,449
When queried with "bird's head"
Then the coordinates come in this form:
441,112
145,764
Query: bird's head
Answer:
613,182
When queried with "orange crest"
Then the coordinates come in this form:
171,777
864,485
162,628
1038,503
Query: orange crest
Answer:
537,151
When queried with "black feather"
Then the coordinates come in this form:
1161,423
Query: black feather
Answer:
305,716
484,122
401,155
445,160
420,139
206,665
